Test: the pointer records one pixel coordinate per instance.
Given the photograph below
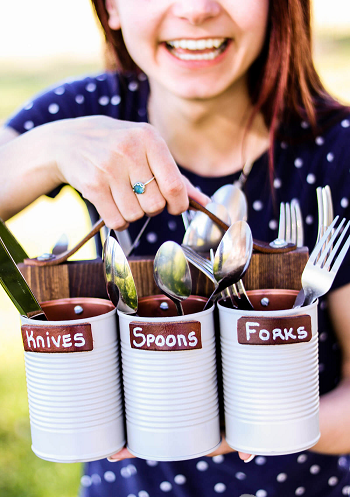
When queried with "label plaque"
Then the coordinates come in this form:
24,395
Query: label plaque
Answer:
57,339
274,331
173,336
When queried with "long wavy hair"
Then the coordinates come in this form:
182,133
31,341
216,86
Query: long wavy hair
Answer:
283,82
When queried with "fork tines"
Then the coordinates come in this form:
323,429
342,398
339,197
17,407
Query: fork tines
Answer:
324,251
290,226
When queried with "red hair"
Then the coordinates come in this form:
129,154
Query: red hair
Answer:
283,82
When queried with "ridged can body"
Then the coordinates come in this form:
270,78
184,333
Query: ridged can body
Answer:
75,399
271,391
171,397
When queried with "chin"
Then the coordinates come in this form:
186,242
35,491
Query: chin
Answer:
196,91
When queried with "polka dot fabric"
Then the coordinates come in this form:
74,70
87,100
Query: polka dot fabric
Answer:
104,94
302,163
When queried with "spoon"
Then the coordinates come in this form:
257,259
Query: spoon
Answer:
234,200
172,273
232,257
258,245
120,283
203,234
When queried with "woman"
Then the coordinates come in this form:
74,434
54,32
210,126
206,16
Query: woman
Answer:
204,87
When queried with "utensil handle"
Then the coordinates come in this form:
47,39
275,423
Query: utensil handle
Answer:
179,309
137,239
265,247
199,207
54,260
300,299
258,246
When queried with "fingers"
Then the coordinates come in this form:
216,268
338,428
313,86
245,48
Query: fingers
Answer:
119,456
168,189
151,202
108,187
196,194
170,182
101,197
138,157
224,448
131,204
246,457
109,157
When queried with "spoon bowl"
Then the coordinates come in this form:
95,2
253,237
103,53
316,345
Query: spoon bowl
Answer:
232,256
203,234
120,283
232,197
172,273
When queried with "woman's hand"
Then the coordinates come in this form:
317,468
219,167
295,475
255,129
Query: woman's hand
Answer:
224,448
122,454
335,405
102,158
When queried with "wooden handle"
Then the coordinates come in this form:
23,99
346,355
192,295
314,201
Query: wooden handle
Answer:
54,260
258,246
265,247
199,207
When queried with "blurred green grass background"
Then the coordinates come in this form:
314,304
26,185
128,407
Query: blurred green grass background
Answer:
21,79
37,228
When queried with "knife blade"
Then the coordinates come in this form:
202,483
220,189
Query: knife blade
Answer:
13,246
17,288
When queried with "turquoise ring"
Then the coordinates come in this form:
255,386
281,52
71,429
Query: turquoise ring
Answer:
139,188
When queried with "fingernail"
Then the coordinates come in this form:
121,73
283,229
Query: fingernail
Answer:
249,458
112,459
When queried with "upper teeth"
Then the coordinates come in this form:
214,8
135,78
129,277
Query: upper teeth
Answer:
197,44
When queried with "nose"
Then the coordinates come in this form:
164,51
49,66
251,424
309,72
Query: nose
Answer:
196,11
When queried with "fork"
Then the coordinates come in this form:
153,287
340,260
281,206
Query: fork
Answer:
325,209
290,225
236,292
199,262
324,262
206,266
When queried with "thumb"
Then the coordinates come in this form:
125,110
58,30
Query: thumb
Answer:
195,193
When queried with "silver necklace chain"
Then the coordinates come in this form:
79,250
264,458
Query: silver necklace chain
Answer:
244,174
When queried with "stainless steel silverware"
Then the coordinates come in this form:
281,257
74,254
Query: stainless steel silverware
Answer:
17,252
324,263
17,288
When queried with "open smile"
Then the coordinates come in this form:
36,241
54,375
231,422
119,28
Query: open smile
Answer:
202,49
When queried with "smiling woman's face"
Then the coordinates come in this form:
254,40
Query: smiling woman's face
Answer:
193,48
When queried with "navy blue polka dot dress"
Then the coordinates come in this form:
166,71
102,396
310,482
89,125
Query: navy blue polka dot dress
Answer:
302,163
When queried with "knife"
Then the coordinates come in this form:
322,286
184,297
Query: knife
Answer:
17,288
16,250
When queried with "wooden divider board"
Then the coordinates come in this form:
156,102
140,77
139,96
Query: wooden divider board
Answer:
86,279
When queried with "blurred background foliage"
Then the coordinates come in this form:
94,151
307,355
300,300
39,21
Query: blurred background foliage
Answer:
39,46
